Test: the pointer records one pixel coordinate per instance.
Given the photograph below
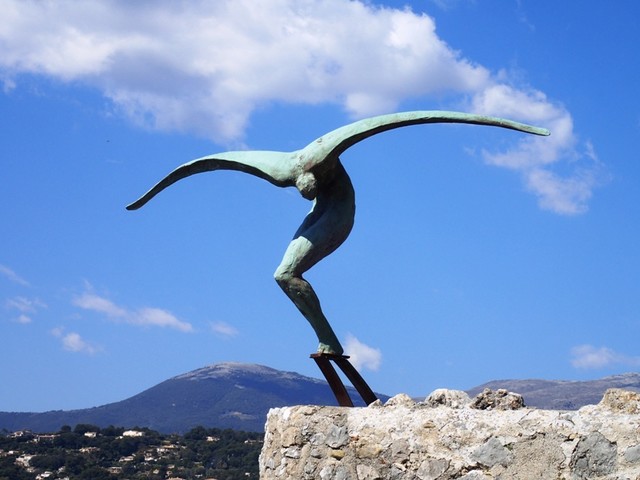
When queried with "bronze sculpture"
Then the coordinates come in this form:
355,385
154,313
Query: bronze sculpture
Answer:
318,174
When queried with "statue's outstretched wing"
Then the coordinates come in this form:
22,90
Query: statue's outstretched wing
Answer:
270,166
283,168
332,144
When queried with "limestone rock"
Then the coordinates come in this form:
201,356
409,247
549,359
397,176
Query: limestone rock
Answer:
593,456
447,438
619,400
499,400
448,398
400,399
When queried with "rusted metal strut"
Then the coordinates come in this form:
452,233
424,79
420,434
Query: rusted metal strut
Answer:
323,360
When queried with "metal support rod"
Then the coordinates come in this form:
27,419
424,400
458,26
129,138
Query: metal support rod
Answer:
323,360
356,380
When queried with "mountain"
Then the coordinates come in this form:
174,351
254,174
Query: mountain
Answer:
224,395
239,395
562,394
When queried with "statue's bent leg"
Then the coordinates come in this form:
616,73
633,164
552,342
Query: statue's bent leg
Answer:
303,296
322,231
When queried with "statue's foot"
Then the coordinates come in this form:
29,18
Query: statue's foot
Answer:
330,350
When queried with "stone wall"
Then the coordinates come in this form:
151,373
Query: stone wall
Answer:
450,436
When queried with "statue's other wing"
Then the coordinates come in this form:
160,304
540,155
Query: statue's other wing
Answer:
332,144
275,167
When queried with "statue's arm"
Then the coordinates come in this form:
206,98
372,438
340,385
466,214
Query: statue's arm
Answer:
271,166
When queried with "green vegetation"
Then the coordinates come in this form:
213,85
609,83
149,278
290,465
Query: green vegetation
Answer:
87,452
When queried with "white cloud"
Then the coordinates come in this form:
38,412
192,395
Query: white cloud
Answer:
590,357
566,195
26,306
362,356
223,329
445,4
156,317
194,66
7,84
205,67
535,158
90,301
147,316
12,276
73,342
23,319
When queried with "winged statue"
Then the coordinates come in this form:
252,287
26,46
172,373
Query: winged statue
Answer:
318,174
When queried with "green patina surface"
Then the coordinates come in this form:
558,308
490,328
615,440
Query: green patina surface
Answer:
318,174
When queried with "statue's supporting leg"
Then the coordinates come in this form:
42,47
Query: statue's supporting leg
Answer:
303,296
322,231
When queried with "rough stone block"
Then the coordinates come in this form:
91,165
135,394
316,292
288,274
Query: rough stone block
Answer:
445,438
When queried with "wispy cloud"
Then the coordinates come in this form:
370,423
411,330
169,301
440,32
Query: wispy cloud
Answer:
73,342
147,316
223,329
26,306
23,319
157,317
536,158
445,4
12,276
590,357
523,17
191,66
362,355
90,301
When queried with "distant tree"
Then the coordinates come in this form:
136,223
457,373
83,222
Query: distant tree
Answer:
96,473
70,440
83,428
112,431
75,464
48,462
127,446
10,471
197,433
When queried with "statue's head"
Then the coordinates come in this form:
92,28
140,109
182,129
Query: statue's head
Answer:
307,185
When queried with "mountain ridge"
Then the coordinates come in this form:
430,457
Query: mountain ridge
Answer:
238,396
562,394
224,395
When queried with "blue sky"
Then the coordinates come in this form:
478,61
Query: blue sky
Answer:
477,253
